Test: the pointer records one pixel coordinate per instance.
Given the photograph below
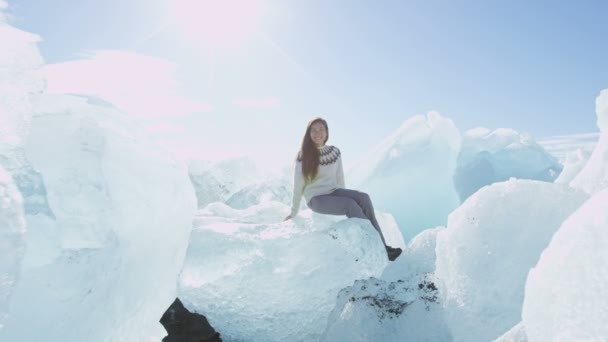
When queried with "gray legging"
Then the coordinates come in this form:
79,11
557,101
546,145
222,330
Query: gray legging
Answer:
351,203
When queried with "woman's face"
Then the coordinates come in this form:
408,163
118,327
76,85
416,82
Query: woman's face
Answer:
318,133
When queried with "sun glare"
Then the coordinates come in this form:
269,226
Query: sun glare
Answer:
216,24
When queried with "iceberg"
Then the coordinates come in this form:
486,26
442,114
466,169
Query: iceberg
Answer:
488,157
410,173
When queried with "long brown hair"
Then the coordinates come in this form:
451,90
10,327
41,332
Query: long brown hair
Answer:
310,152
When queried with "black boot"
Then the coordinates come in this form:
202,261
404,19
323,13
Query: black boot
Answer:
393,253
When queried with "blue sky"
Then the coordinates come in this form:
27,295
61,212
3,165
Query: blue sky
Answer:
365,66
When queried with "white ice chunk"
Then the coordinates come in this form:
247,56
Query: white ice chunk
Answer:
567,291
19,83
377,310
418,258
594,175
573,164
12,240
218,181
20,87
275,281
278,190
123,212
401,306
491,242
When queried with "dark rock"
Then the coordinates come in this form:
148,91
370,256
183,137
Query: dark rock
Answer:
185,326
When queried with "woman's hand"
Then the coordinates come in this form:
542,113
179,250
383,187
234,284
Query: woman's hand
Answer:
287,218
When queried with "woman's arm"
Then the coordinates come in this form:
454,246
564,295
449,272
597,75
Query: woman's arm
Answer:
298,190
340,173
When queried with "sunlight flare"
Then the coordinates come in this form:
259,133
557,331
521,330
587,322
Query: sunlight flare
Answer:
217,25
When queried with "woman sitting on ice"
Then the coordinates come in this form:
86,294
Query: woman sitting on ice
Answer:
320,178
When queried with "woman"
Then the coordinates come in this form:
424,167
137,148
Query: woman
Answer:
319,177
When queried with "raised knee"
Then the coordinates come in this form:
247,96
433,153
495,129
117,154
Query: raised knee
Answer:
365,197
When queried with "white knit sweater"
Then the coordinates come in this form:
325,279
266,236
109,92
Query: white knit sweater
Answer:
329,177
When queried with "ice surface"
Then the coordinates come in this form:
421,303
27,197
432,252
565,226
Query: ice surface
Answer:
488,156
515,334
121,216
410,173
274,281
491,242
12,240
566,296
